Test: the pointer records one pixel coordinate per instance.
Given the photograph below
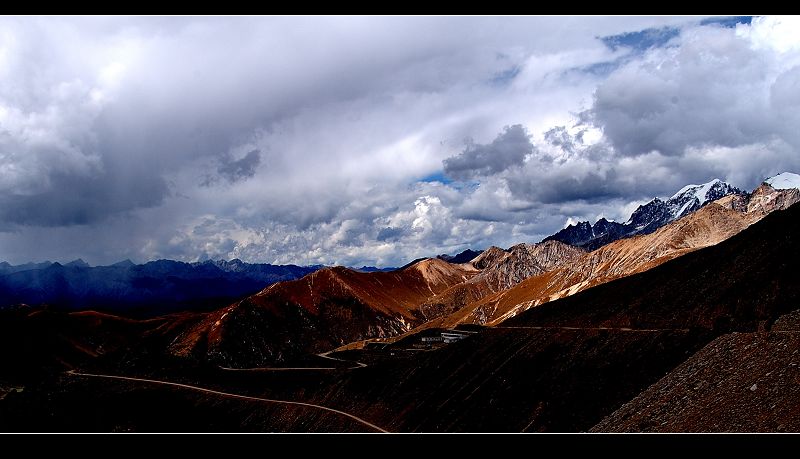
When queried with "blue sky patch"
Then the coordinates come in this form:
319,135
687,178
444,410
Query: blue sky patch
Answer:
436,177
727,21
636,43
506,76
602,69
641,40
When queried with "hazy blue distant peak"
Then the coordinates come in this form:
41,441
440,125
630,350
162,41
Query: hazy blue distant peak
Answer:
78,263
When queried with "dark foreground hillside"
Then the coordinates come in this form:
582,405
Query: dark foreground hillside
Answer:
740,382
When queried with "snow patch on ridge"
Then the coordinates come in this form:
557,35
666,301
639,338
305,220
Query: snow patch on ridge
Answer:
704,191
784,181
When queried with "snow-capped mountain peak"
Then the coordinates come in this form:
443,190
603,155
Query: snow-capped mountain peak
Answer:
647,217
692,197
699,190
784,181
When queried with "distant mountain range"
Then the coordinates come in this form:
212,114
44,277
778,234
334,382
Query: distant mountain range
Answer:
373,269
152,288
463,257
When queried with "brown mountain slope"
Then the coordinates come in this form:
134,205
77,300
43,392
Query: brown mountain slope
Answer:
319,312
523,261
708,226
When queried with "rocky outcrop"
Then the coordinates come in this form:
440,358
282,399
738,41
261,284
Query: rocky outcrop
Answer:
766,199
500,270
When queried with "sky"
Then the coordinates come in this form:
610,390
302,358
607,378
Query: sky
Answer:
372,140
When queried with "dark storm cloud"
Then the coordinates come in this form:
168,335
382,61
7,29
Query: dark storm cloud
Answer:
242,168
559,137
235,170
508,149
559,187
53,186
79,201
390,234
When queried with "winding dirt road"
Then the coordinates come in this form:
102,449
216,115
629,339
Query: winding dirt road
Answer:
323,355
230,395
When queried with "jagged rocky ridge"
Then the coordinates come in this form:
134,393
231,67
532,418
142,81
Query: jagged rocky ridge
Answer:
646,218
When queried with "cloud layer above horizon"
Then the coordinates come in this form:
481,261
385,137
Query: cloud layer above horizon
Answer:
372,140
